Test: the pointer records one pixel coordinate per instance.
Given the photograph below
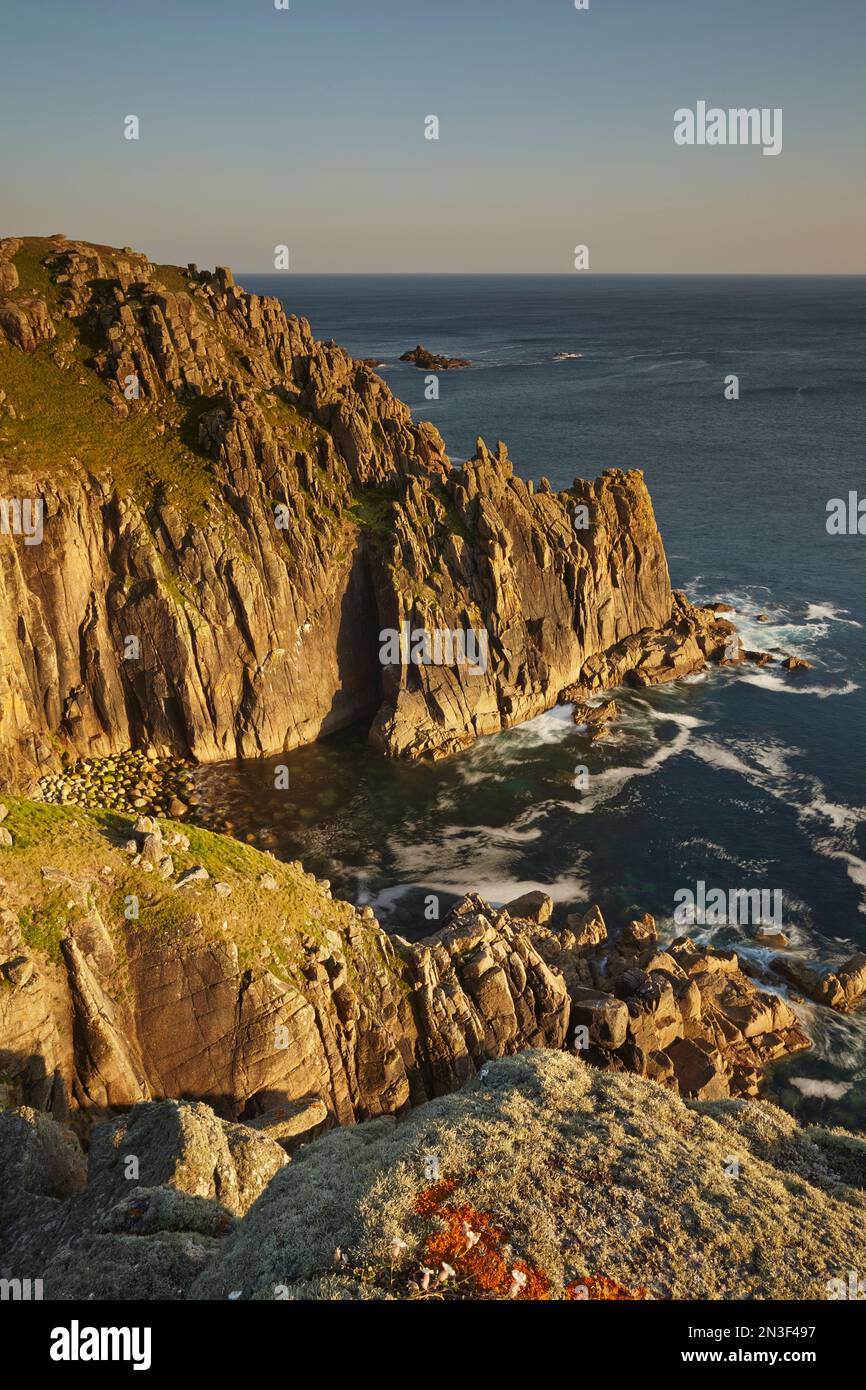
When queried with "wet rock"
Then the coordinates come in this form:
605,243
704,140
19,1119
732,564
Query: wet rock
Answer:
596,718
842,989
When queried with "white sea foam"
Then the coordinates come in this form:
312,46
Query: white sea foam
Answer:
830,613
820,1090
856,867
570,889
767,681
606,783
768,766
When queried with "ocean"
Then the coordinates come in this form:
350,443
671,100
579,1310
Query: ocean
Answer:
742,777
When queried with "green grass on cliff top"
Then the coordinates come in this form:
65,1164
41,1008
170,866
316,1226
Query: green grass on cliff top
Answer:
85,843
66,420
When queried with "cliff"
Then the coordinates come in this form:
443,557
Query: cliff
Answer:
232,514
155,961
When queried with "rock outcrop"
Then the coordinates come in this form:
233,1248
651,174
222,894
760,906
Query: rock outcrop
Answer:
543,1179
159,1190
304,1012
842,988
232,514
684,1015
433,361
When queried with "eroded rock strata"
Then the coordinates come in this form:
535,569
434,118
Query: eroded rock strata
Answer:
137,965
234,512
197,1014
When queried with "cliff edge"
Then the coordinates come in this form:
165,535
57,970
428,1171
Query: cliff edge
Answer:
210,518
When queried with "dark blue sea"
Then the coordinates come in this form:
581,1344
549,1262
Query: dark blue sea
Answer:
741,777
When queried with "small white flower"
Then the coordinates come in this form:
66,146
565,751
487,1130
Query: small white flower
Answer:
447,1272
235,1294
397,1248
518,1282
426,1276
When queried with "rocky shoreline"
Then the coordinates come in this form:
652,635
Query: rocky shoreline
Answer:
129,782
124,945
231,514
181,997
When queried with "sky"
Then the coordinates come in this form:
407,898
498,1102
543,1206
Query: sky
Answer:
305,128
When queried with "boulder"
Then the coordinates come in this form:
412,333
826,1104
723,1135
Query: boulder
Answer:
605,1017
698,1070
588,928
39,1156
531,907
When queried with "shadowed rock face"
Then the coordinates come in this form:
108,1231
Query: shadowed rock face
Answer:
310,514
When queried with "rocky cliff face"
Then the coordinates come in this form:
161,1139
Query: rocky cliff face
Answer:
158,963
244,984
232,514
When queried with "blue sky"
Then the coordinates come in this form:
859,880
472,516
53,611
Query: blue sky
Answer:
306,127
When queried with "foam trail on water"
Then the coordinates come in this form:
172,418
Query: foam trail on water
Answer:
767,681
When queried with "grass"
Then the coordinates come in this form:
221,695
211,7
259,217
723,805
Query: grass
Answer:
84,843
373,509
66,419
43,927
303,432
67,415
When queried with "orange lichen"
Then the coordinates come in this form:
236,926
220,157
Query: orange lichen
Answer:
598,1286
471,1243
474,1248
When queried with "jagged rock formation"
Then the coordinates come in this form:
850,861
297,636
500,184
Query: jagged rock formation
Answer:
591,1185
319,1017
233,513
433,361
214,972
